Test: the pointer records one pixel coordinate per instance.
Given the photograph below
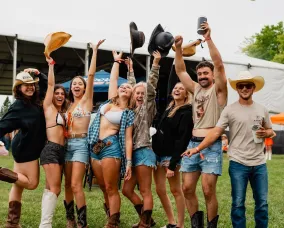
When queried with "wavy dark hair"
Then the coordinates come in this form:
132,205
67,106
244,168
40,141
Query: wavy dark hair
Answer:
70,94
66,102
205,64
34,99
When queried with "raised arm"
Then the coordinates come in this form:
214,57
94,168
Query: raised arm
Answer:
130,74
219,70
51,83
153,78
42,81
112,89
184,77
88,96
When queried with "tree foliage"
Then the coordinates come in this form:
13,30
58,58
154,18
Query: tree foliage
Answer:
268,44
5,107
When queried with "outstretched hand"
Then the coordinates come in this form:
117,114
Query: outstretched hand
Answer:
178,41
32,70
96,47
129,63
50,61
128,173
117,57
192,151
206,27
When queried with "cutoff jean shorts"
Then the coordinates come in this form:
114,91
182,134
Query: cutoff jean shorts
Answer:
112,151
76,150
164,161
144,156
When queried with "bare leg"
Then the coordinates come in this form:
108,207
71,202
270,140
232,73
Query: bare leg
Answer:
68,173
160,181
176,190
144,176
189,182
53,177
78,172
209,190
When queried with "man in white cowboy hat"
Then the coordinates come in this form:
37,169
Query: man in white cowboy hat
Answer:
247,160
209,99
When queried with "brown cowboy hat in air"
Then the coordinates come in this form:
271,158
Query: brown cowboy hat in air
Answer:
55,40
137,38
189,49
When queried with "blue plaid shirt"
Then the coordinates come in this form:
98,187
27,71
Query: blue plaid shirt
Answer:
126,121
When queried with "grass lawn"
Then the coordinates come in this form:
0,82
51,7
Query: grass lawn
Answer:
96,218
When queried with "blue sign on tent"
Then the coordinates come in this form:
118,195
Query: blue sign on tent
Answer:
101,82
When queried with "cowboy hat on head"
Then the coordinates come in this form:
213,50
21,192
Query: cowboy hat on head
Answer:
24,78
246,76
189,49
55,40
160,41
137,38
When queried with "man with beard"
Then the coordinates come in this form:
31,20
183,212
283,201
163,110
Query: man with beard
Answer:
209,99
247,160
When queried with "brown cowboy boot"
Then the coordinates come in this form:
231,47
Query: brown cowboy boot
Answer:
139,210
145,219
71,223
113,221
8,175
14,214
82,217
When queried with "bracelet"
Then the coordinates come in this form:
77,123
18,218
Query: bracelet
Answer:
197,149
52,63
207,39
129,163
117,61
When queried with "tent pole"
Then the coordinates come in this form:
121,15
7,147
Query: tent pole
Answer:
87,52
148,57
15,60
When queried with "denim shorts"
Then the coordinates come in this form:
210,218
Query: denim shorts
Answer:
212,163
144,156
164,161
76,150
112,151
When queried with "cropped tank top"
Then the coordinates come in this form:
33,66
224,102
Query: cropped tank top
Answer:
112,116
206,110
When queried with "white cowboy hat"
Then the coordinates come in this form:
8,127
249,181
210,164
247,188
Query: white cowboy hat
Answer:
24,77
246,76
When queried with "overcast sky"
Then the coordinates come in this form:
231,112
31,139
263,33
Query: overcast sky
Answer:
231,20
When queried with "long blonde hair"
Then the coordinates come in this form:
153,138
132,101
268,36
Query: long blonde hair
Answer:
115,100
174,108
133,102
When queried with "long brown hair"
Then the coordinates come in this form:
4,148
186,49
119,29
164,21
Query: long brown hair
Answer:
34,99
70,94
65,103
173,108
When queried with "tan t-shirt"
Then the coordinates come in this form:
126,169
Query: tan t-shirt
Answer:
240,119
206,110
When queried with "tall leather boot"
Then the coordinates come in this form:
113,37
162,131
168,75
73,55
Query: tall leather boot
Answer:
213,223
8,175
145,219
113,221
49,200
14,214
197,220
82,217
139,210
71,223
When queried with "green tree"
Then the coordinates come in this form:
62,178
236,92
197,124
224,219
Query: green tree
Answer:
268,44
5,107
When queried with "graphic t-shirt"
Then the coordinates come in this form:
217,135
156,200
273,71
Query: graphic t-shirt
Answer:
240,119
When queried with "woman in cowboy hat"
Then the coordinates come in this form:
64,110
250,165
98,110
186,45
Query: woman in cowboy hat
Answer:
110,141
25,114
77,155
52,156
144,159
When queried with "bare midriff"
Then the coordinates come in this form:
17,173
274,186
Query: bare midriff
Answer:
56,135
201,132
80,125
107,128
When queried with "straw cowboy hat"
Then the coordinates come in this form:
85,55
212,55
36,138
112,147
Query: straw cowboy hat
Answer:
160,41
24,77
246,76
137,38
189,49
55,40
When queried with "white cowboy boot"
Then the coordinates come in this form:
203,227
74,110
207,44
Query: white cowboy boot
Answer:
49,200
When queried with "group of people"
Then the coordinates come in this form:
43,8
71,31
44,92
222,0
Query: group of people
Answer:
54,127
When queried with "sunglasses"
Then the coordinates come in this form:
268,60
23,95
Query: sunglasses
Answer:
248,86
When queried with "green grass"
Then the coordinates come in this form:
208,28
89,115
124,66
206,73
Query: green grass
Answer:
96,218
